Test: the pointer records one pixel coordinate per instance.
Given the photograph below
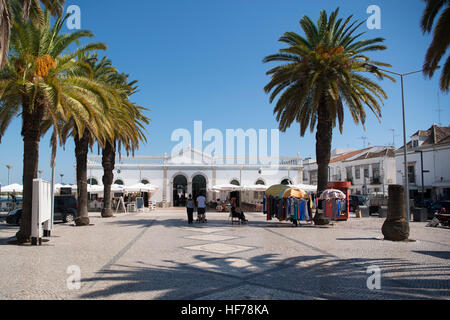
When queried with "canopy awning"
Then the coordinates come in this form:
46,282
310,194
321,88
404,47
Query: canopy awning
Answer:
226,187
256,187
94,188
140,187
12,188
59,186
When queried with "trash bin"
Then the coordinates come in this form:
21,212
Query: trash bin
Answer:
382,213
420,214
365,211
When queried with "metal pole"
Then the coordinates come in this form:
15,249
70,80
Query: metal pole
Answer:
423,184
405,157
53,198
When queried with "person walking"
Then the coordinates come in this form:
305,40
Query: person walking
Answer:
190,209
201,207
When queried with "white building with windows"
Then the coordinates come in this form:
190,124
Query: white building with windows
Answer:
434,146
191,172
369,170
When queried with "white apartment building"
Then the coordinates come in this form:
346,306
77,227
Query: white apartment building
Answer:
434,145
369,170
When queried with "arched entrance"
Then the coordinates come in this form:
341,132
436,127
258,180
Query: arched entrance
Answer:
199,186
180,185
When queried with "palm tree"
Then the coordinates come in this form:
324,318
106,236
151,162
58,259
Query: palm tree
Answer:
441,39
129,123
320,73
103,99
34,84
29,8
123,123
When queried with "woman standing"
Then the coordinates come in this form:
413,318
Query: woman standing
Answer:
190,209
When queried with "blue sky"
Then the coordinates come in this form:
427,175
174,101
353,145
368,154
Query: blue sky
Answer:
202,60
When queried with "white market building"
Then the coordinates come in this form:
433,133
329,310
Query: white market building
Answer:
191,172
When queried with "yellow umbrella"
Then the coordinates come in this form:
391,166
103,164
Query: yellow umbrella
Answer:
283,191
296,193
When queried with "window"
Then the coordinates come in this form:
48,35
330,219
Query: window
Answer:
376,170
415,143
358,172
366,172
412,174
349,173
313,176
235,182
286,182
305,176
119,182
145,181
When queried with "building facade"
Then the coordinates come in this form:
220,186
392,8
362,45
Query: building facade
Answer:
369,170
429,149
192,172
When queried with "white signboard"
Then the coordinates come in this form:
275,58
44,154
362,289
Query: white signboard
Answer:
41,209
140,203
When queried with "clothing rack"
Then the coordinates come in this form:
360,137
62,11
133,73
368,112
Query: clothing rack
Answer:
291,209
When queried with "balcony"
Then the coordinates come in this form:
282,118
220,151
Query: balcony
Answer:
375,180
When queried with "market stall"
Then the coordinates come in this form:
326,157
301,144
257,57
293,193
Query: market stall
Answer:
138,196
336,205
344,187
225,191
253,204
287,203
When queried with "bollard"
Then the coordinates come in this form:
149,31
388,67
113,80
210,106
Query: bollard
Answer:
383,212
396,228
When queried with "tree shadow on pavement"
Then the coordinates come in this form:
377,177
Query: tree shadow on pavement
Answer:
269,277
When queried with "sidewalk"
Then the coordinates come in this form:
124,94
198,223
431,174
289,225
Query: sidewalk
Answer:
158,255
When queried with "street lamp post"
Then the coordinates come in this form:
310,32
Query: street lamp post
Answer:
373,69
9,169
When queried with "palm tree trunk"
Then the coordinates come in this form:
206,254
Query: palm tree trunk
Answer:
31,132
81,152
108,163
324,137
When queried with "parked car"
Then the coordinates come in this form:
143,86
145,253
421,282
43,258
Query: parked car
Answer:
358,200
437,207
14,217
66,210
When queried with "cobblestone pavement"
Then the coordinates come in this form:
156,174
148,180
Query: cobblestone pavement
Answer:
159,256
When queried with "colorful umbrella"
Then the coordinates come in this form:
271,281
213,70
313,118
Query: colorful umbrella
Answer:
283,191
333,194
